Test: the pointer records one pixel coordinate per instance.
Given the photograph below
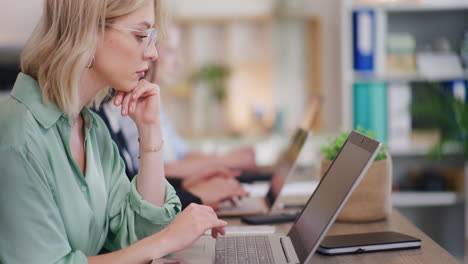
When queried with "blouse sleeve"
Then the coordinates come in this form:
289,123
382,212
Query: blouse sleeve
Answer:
30,222
130,217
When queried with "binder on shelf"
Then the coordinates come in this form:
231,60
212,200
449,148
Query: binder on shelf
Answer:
399,115
458,88
361,103
370,108
364,40
379,117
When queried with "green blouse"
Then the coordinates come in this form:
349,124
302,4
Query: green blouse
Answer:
50,212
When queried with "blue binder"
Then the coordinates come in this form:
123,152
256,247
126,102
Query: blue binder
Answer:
457,88
364,40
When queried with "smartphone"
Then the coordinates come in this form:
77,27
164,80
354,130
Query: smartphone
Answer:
367,242
270,218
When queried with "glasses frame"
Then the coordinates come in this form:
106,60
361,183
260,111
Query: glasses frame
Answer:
151,35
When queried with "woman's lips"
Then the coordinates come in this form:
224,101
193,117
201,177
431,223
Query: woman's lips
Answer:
141,74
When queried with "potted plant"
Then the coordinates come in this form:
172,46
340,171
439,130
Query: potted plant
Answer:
371,200
449,114
213,78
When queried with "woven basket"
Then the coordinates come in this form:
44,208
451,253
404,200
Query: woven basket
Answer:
371,200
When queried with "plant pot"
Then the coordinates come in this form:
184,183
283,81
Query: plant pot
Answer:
371,199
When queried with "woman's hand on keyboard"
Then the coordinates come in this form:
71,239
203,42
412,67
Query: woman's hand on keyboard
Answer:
188,226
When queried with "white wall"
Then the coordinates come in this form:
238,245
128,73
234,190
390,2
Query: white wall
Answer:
289,82
220,8
17,21
329,13
290,91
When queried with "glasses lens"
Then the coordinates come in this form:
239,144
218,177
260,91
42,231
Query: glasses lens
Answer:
151,40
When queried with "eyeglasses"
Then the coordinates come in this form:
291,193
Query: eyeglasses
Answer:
150,35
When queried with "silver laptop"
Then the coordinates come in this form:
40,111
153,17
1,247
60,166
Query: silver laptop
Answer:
311,226
283,168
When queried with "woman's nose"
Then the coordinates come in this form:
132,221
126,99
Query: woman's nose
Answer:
152,53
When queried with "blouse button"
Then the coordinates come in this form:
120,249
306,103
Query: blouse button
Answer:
83,188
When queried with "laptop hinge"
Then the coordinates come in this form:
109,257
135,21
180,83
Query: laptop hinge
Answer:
288,250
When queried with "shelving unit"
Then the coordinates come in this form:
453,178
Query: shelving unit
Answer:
424,5
250,40
425,20
405,77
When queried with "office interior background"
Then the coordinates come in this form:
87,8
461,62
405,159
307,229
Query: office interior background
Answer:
250,68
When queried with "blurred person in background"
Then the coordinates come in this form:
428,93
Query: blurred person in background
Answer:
179,160
198,178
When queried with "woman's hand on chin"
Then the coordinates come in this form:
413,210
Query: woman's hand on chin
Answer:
141,104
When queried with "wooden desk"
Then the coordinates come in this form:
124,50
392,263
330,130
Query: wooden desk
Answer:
430,251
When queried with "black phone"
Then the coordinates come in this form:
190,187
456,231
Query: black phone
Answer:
249,176
270,218
367,242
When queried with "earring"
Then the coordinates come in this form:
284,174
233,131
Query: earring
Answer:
91,64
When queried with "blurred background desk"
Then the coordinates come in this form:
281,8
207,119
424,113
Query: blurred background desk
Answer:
430,251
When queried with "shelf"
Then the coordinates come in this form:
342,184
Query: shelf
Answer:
213,10
405,77
411,6
424,199
423,149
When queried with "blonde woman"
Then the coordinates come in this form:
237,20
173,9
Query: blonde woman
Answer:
63,193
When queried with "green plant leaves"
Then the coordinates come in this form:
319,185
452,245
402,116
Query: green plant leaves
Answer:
334,145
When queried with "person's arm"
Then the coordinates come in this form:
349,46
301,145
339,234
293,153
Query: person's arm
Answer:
142,105
243,158
217,190
140,231
192,223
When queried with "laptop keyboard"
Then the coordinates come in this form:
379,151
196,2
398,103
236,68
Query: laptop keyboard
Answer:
243,250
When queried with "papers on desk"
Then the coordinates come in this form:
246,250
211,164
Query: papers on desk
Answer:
300,188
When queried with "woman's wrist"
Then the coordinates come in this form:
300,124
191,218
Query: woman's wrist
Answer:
152,247
160,244
149,136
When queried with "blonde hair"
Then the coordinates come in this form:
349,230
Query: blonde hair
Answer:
63,44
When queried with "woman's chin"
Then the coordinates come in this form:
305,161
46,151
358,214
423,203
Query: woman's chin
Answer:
126,87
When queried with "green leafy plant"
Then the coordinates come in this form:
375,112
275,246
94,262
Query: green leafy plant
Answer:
334,145
214,76
444,112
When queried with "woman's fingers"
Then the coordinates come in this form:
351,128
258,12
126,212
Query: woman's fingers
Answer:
218,228
237,189
118,98
129,101
209,220
144,88
125,104
222,172
216,231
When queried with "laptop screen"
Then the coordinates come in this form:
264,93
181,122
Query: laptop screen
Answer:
336,185
285,164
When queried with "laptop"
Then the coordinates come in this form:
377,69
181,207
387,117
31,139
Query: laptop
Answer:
282,169
307,122
309,229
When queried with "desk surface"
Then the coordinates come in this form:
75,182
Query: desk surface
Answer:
430,251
